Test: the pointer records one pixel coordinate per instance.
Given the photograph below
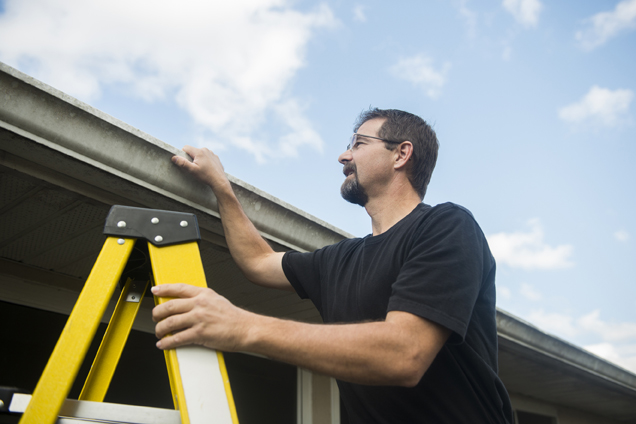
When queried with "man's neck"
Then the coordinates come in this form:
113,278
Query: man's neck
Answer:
387,210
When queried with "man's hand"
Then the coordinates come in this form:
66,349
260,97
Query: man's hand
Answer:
205,165
198,316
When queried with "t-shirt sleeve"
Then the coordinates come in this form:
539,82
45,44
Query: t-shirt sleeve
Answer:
442,274
303,272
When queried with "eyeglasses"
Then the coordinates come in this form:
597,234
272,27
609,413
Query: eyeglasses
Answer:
355,136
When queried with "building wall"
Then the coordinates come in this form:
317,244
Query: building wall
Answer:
573,416
559,414
322,406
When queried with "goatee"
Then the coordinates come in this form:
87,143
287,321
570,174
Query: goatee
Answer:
351,189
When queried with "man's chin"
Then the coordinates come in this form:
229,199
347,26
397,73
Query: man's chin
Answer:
353,193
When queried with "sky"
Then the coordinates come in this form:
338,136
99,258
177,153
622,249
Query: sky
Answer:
532,102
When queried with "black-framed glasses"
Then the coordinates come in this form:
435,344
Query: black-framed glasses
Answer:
355,136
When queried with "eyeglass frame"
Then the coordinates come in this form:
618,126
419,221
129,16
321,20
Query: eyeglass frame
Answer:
355,136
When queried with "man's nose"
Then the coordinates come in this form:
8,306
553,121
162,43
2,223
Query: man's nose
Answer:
345,157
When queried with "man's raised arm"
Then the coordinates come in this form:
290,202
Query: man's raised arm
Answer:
256,259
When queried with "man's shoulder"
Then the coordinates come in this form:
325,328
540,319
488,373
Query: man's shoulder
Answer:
338,247
447,211
444,220
449,207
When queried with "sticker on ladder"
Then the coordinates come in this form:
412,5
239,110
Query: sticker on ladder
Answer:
203,385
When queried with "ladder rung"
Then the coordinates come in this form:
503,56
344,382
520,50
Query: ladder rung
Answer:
103,412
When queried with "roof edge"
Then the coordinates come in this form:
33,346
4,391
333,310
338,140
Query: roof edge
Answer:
523,333
49,117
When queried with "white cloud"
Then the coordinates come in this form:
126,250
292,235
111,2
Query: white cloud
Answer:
530,293
610,332
621,235
599,106
605,25
358,13
228,64
624,356
301,131
527,250
469,16
617,340
526,12
419,70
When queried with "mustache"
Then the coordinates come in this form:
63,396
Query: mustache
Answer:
349,168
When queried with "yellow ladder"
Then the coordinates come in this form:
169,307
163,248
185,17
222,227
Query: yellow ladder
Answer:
198,376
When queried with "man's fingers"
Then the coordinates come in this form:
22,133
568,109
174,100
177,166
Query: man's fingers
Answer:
192,151
205,166
182,162
178,160
196,315
186,337
171,307
172,324
176,290
181,302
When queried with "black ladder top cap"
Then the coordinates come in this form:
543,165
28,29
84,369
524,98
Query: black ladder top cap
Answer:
161,228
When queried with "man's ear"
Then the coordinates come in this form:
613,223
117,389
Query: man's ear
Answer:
402,154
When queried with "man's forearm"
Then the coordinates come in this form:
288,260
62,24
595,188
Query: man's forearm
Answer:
374,353
250,251
396,351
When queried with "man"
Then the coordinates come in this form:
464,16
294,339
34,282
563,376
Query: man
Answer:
415,300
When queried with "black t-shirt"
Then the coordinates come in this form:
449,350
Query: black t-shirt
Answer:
434,263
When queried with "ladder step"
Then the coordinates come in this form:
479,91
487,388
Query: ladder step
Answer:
96,412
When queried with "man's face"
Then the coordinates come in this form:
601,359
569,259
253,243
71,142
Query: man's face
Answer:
363,164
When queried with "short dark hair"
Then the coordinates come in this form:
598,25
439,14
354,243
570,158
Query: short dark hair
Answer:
404,126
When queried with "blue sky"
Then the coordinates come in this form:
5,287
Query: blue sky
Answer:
532,101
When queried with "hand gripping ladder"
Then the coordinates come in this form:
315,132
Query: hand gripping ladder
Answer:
198,377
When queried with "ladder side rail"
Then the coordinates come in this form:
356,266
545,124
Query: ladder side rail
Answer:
201,399
70,350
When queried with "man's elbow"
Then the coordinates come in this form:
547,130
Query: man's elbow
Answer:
416,349
411,370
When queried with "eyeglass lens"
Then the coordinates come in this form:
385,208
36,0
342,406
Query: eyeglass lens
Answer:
352,141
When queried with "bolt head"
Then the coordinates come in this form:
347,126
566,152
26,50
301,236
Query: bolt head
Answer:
155,220
184,223
121,224
158,239
121,241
